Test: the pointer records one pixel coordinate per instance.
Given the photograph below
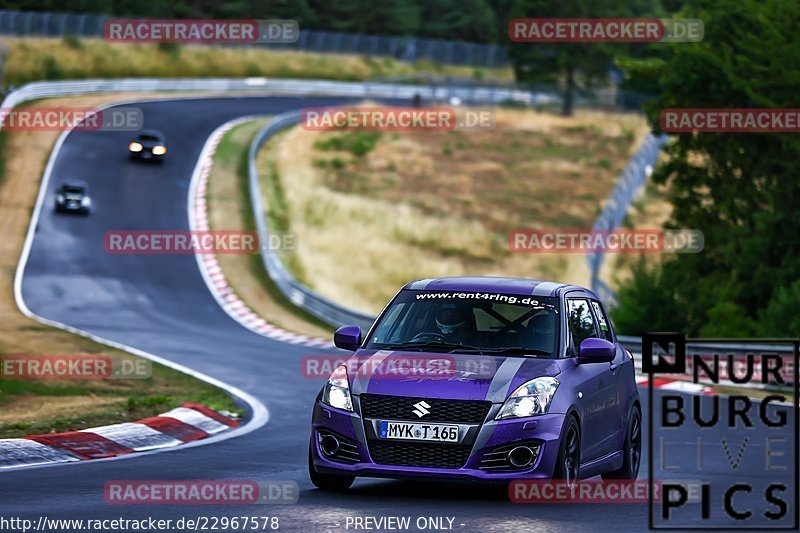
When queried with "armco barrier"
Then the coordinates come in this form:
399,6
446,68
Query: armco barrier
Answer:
467,94
300,295
616,207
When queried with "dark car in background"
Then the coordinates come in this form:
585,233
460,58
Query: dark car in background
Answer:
73,197
148,145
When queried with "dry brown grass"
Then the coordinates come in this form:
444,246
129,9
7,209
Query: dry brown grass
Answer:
42,406
427,204
32,59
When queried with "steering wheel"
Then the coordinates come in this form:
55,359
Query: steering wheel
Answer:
428,336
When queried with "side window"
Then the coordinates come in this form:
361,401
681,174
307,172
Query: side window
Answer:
581,323
602,319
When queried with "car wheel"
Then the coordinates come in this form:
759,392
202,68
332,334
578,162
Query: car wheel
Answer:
568,466
632,451
325,481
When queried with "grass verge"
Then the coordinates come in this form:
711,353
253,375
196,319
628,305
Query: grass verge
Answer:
36,59
374,210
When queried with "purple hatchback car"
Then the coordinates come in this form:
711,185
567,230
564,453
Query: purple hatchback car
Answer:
486,379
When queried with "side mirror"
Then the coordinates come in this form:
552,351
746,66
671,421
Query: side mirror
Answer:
347,338
596,351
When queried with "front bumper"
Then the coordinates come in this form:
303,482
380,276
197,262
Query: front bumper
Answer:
489,441
147,155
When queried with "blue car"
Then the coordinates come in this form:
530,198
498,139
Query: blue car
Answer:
479,378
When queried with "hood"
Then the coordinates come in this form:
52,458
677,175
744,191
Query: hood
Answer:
446,376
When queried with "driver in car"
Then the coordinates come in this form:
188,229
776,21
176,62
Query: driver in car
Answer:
456,323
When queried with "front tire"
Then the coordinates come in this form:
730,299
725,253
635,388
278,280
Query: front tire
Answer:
632,451
568,465
325,481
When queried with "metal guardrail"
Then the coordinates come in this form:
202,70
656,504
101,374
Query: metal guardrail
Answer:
300,295
616,207
467,94
51,24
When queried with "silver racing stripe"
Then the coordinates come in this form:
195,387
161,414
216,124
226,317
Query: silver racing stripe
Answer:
361,379
420,284
360,385
546,288
498,388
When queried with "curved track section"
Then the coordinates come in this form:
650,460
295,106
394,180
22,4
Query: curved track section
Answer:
161,305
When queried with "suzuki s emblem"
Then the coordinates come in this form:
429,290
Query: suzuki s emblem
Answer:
421,409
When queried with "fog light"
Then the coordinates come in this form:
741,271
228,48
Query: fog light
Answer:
329,445
521,456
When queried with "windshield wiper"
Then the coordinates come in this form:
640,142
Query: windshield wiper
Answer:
513,350
433,344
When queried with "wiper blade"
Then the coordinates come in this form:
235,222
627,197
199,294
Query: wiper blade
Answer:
514,350
433,344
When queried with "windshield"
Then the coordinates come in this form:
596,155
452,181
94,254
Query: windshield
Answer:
476,322
148,138
72,190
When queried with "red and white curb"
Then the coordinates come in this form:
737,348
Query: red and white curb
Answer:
677,385
183,424
210,267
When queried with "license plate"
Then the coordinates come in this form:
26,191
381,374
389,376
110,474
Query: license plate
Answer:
414,431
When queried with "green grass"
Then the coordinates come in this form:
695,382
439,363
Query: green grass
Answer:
164,390
357,142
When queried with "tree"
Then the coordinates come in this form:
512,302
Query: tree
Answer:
565,62
740,189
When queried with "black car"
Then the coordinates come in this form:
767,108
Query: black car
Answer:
73,197
149,145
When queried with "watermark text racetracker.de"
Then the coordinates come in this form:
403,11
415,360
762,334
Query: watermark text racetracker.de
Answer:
248,31
166,242
89,366
598,30
731,120
200,492
396,118
121,118
606,241
443,367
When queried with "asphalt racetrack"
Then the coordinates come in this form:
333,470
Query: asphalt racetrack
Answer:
160,304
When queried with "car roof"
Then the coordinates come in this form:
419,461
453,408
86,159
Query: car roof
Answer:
152,133
519,286
75,183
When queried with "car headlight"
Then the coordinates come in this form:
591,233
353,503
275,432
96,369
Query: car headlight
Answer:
135,147
60,198
86,201
532,398
159,150
337,390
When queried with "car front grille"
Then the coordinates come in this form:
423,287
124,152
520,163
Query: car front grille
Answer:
419,454
402,408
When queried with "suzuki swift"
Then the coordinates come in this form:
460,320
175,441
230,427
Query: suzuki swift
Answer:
485,379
